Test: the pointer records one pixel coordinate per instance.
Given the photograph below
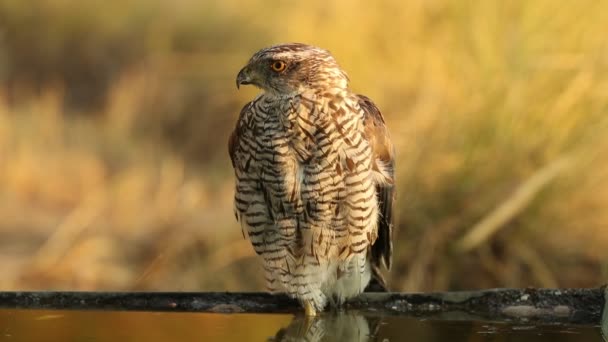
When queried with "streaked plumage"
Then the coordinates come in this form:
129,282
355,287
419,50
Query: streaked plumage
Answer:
314,176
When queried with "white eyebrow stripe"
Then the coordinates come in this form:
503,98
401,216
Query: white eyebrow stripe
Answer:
291,54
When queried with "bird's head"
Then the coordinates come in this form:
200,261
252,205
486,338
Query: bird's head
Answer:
292,68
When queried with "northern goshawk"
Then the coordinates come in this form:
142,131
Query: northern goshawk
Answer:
314,169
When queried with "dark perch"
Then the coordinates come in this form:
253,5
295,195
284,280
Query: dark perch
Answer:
580,306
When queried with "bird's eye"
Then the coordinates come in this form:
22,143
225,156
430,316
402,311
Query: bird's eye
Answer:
278,66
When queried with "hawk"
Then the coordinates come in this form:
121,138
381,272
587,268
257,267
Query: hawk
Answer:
314,167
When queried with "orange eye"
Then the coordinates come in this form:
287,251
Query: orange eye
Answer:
278,66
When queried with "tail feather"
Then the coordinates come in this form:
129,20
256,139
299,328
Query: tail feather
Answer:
377,282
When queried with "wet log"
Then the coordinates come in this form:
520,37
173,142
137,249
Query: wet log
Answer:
578,306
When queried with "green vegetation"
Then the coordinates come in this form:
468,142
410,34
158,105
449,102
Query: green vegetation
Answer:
114,118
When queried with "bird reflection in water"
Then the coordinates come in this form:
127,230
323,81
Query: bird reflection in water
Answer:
339,326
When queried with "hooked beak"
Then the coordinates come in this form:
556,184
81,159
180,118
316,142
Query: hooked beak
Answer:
243,77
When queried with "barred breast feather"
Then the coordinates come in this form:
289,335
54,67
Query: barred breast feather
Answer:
314,191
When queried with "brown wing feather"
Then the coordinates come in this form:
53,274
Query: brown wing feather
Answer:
384,162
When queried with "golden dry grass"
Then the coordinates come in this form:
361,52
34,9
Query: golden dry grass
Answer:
114,117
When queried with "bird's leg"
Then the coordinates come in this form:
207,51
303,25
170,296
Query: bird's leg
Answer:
309,309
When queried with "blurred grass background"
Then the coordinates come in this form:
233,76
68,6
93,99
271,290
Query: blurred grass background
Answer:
114,117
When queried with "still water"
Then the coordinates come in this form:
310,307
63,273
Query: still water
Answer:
102,326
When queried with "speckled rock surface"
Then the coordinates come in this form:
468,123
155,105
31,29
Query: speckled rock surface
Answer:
581,306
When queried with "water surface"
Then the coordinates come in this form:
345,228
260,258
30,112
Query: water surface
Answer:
102,326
